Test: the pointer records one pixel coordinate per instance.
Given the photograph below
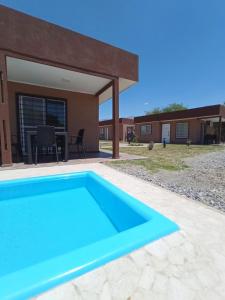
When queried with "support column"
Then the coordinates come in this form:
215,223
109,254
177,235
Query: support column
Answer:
115,108
220,130
5,133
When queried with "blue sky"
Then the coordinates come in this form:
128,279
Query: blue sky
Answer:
180,43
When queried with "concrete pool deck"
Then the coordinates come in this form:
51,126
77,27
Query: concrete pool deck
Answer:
189,264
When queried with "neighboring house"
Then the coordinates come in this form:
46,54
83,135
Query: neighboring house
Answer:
202,125
126,125
53,76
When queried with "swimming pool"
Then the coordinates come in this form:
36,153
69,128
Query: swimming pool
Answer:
56,228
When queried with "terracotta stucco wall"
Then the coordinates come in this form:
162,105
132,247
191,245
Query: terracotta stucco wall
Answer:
173,139
82,110
110,132
125,126
195,132
154,136
194,129
122,131
42,40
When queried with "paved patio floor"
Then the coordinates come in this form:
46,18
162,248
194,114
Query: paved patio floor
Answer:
189,264
94,157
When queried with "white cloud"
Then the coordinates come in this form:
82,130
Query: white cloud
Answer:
146,103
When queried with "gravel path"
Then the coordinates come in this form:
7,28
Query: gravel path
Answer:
203,181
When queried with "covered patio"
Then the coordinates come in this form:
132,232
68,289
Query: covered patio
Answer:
53,76
213,129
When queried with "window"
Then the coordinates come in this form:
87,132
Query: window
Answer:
104,133
101,133
182,130
34,111
146,129
55,113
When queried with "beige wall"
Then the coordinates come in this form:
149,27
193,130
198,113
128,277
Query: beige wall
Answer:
82,110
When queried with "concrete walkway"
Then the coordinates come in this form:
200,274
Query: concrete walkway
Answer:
189,264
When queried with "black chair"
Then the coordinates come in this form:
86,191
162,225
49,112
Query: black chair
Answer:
16,154
78,141
45,138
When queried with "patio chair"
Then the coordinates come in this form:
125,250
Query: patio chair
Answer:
78,141
45,138
16,154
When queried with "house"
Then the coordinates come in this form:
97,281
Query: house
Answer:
202,125
126,126
54,76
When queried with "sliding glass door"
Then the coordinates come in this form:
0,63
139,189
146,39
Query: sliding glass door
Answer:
34,111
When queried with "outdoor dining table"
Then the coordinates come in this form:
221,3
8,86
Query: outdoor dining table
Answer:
33,133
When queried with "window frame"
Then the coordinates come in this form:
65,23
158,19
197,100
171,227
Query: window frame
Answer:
51,99
45,98
101,130
146,133
182,123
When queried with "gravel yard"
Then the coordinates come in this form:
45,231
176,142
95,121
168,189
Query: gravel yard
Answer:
203,180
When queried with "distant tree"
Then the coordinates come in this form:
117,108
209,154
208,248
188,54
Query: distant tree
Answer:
156,110
171,107
174,107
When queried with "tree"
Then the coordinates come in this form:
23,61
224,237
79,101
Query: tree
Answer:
174,107
156,110
171,107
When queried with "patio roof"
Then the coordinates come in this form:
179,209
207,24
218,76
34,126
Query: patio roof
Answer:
29,72
48,43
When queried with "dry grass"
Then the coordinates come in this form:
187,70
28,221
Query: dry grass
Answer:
169,158
105,144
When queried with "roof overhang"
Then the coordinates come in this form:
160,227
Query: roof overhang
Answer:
29,72
204,112
214,119
37,40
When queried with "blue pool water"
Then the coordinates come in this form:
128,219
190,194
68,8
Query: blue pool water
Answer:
56,228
